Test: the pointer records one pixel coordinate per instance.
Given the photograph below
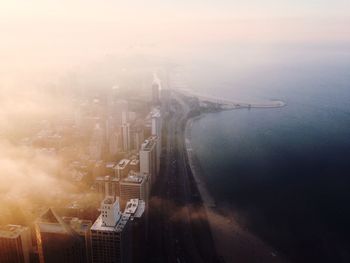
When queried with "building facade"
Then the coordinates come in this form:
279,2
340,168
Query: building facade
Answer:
15,244
110,234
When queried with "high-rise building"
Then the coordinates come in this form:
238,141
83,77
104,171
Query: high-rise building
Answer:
120,112
148,158
107,186
156,122
125,132
117,127
136,137
82,228
57,241
109,167
96,143
135,164
136,185
136,209
110,234
155,93
157,133
121,170
15,244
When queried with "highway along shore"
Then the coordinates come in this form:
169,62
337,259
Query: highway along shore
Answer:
232,242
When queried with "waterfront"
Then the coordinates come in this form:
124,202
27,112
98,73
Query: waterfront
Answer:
284,172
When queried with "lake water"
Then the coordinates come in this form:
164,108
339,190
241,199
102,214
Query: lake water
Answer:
286,171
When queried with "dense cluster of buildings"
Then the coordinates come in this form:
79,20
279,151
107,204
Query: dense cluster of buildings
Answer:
122,160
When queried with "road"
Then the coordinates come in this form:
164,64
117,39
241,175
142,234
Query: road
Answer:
178,228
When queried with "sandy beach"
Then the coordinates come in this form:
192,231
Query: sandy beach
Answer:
233,243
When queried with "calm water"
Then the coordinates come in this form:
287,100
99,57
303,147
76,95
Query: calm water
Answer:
287,170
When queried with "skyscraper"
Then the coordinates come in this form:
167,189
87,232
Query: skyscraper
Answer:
15,244
136,137
57,241
82,228
121,170
136,209
120,112
155,93
125,132
148,158
110,236
107,186
136,185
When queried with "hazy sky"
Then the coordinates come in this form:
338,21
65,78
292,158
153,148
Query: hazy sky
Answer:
38,37
38,34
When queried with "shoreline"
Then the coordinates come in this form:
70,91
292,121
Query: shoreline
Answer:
232,241
227,104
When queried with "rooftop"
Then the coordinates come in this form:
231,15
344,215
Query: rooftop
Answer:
135,207
99,226
106,178
110,165
148,144
11,231
108,201
134,162
134,177
122,163
155,114
79,225
50,222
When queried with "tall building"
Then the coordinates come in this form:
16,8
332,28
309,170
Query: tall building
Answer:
109,167
107,186
15,244
148,158
121,170
82,228
110,234
113,136
125,132
136,185
157,133
156,122
136,137
117,127
96,143
165,96
135,164
136,209
120,112
155,93
57,241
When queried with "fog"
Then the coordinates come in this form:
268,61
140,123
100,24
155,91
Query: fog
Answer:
54,51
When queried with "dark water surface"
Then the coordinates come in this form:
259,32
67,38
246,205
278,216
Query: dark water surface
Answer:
287,170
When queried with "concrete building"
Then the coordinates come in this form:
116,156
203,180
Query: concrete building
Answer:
15,244
156,122
125,132
155,93
57,241
136,209
135,164
114,142
148,158
96,143
109,167
120,112
82,228
157,133
110,234
136,137
107,186
136,185
121,170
